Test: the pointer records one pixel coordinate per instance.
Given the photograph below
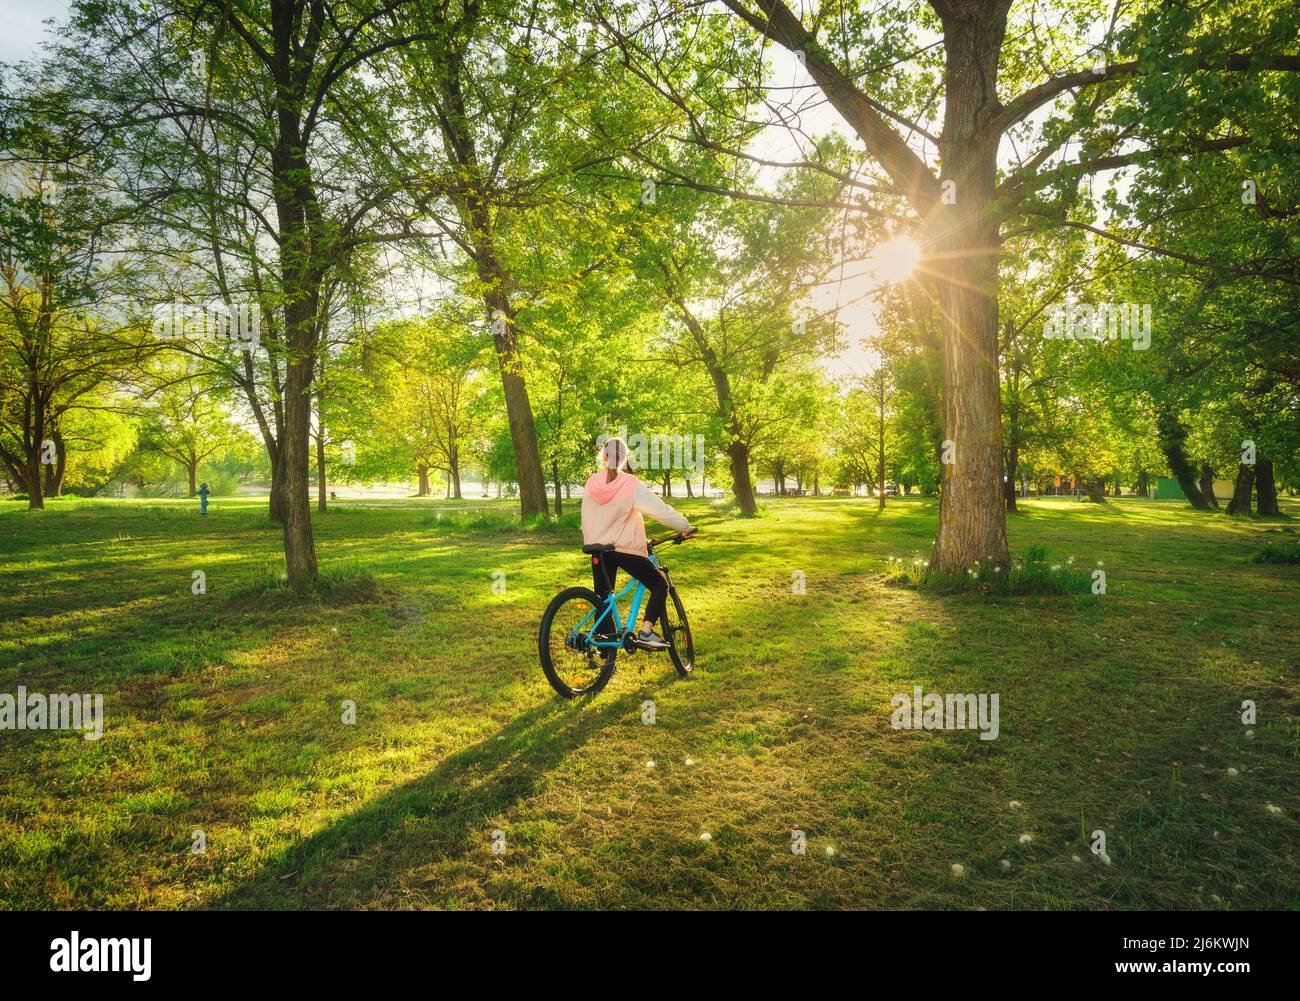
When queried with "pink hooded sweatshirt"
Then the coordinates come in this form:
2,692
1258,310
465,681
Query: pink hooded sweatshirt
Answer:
612,513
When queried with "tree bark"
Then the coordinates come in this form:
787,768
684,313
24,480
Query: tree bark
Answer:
299,544
1265,488
963,243
192,468
35,447
1240,503
301,290
741,484
972,508
1207,486
555,478
1173,443
519,409
476,217
423,472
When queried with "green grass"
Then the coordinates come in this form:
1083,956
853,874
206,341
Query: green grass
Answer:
1119,712
1031,572
1287,551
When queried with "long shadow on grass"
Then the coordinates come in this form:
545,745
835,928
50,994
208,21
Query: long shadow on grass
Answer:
440,816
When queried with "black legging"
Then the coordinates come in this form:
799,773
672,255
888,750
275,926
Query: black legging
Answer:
639,567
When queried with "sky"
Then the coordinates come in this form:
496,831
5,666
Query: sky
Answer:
21,30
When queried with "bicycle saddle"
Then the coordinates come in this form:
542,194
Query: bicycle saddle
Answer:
598,547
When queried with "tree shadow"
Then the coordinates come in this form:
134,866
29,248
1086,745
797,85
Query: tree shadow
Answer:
440,816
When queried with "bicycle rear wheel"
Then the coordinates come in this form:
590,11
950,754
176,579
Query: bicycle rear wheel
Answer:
570,663
677,631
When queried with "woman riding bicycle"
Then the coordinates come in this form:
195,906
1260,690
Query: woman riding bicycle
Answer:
613,504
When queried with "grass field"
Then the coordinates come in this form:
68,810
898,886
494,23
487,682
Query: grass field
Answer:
1119,712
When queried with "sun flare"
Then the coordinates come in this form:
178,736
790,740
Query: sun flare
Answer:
896,259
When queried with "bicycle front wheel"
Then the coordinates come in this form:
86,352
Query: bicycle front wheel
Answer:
571,664
677,631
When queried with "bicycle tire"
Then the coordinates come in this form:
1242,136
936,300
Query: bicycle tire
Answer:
685,665
549,668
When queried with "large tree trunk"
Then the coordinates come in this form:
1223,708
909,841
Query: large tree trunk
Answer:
972,508
476,216
963,242
1173,442
1096,490
423,473
1240,503
1207,486
519,409
1266,488
741,483
454,463
555,478
192,469
1143,488
300,264
299,545
962,245
35,448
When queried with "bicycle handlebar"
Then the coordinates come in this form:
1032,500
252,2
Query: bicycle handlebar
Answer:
676,539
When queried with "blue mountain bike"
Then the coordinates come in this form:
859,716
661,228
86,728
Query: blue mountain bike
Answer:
581,635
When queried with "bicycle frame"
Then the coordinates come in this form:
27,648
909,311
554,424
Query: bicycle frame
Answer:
633,587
